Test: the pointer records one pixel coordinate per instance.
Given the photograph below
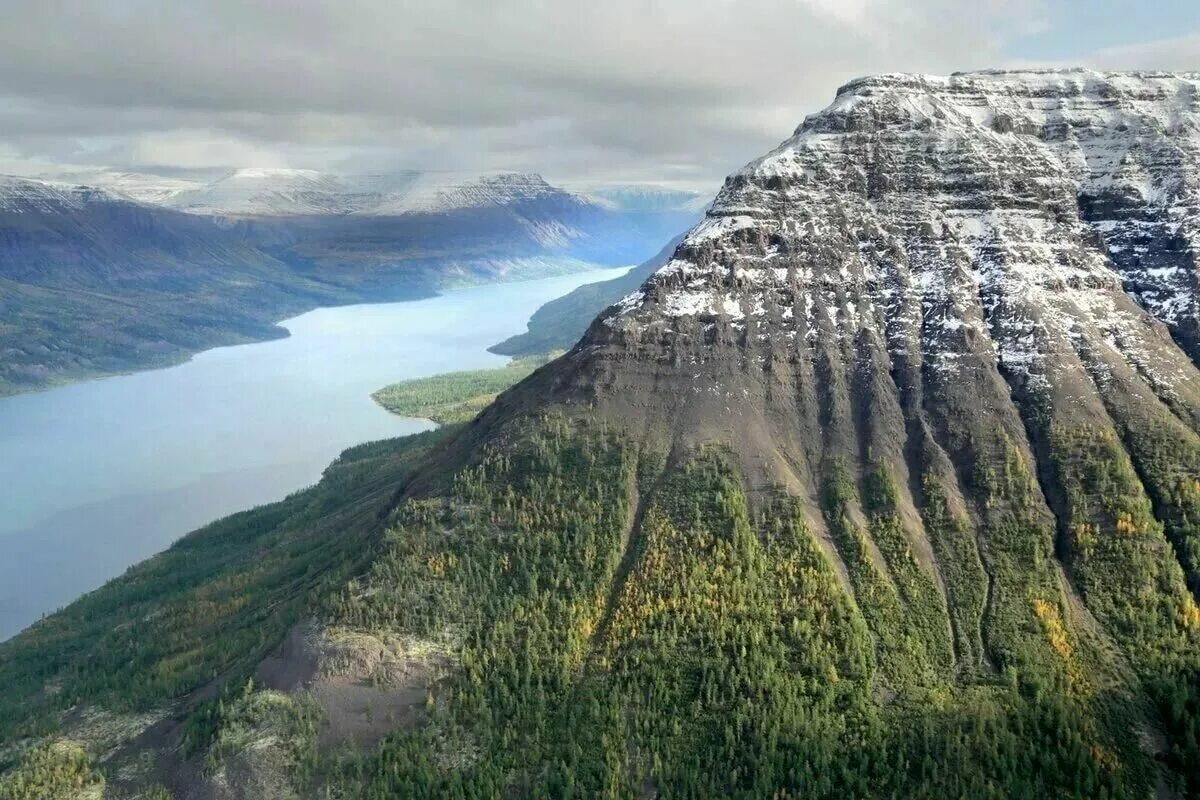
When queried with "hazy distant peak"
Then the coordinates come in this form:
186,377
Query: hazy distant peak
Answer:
275,172
286,191
267,191
646,197
19,193
431,192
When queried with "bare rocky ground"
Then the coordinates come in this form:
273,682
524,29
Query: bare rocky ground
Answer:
364,684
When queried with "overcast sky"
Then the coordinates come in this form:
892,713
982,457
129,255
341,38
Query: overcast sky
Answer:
676,91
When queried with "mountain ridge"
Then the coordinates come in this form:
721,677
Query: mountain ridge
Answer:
287,191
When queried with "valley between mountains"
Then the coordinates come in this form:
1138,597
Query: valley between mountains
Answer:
885,483
127,272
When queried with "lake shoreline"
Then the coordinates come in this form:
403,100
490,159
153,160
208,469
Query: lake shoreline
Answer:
61,380
106,472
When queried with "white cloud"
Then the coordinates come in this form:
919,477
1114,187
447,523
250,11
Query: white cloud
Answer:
1179,53
679,89
192,149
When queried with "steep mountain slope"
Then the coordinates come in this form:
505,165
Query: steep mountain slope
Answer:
928,249
80,234
884,486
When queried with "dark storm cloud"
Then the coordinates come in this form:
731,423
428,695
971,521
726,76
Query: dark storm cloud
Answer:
688,88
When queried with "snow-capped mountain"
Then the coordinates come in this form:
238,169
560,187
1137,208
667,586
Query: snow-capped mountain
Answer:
19,195
139,186
439,192
1002,216
258,192
985,284
268,192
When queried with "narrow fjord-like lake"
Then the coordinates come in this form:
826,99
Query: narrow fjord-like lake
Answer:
99,475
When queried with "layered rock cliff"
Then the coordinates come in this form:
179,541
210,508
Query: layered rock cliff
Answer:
926,261
982,286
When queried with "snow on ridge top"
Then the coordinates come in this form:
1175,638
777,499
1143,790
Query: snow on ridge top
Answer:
281,192
1088,117
16,187
1036,79
914,80
265,191
515,178
20,194
22,187
434,192
1003,216
272,191
96,182
1029,86
275,172
140,187
643,196
1088,123
716,226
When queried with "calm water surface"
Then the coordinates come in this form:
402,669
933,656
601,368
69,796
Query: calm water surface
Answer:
99,475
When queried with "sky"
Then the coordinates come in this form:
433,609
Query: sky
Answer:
676,92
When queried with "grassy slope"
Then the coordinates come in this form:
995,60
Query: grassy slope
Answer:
626,625
633,627
206,609
455,396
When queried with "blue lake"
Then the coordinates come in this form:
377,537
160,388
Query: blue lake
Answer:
99,475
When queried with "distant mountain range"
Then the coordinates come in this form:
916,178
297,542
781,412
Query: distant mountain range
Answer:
125,270
283,192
